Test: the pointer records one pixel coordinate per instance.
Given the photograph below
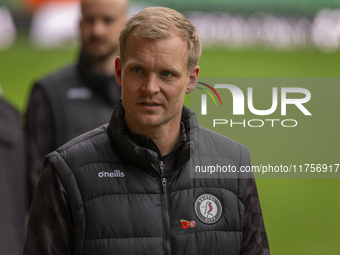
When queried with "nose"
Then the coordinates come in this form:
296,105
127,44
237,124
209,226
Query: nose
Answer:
98,28
151,85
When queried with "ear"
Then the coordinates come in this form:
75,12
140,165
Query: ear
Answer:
193,78
81,21
118,71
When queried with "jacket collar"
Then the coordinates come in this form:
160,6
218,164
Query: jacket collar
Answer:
144,157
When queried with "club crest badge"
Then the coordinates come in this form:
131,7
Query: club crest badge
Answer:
208,208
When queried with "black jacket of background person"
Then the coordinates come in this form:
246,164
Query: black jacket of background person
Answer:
13,182
113,194
63,105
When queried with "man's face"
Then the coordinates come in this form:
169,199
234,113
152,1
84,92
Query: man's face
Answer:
154,80
102,21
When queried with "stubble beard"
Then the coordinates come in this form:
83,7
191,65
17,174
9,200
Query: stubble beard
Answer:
98,59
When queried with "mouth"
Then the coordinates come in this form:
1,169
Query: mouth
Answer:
96,41
150,105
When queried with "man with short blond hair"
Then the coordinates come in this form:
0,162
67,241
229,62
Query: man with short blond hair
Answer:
126,187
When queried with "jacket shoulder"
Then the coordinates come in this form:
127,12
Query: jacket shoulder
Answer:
63,76
215,144
90,147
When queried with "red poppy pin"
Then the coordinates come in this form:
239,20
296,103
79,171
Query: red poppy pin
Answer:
188,224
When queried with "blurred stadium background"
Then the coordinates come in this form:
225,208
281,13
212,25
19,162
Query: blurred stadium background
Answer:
242,39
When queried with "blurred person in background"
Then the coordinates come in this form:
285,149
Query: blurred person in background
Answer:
81,96
13,182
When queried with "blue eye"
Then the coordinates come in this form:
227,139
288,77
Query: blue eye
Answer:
137,69
166,73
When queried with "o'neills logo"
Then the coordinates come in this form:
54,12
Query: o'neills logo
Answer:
115,173
208,208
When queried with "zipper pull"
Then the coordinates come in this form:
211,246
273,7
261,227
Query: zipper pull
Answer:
164,185
161,166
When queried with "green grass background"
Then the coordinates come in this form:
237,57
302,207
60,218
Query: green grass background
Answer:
301,214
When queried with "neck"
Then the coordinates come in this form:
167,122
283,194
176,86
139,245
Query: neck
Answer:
106,66
165,138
